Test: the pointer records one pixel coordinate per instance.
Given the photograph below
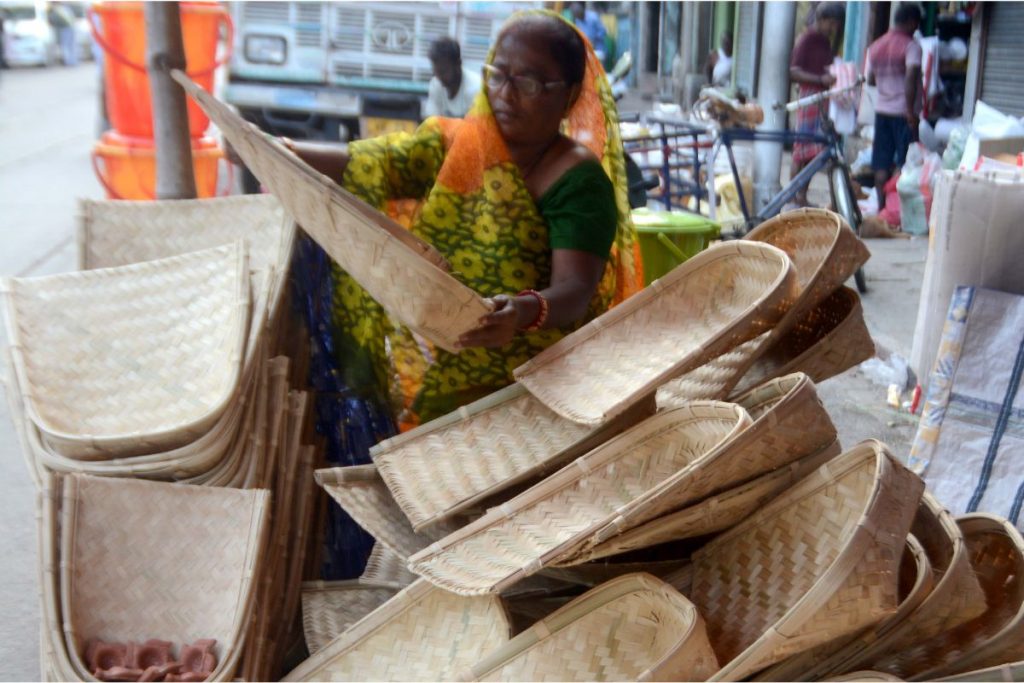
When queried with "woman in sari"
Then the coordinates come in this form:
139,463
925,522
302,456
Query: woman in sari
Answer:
525,198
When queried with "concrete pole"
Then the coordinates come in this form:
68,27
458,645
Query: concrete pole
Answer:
773,88
165,50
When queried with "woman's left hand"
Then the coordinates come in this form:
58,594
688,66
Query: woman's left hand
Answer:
497,328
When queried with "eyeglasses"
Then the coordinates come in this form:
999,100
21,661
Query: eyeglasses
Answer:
524,85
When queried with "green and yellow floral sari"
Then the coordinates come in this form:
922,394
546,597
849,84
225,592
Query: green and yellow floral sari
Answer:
453,183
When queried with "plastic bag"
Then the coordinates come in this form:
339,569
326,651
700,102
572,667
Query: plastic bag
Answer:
915,189
988,124
955,147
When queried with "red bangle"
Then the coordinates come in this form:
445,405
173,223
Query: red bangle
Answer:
542,312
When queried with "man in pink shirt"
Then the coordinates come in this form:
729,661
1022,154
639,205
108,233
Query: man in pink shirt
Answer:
894,65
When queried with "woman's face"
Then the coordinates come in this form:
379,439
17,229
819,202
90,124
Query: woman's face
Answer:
522,119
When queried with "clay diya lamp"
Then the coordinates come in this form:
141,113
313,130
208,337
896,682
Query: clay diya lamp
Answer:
153,652
198,658
100,655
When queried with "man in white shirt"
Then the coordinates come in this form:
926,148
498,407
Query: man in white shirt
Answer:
453,88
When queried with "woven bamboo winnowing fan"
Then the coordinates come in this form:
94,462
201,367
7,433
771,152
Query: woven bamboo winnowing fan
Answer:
181,570
996,551
789,423
1004,673
118,233
915,583
715,301
955,599
865,677
827,340
134,357
825,252
330,607
450,464
816,564
422,634
633,628
556,517
385,565
404,274
361,493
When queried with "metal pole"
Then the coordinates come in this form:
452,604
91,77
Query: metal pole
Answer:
773,88
165,50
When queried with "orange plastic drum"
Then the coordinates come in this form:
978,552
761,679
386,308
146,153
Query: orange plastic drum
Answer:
119,27
126,167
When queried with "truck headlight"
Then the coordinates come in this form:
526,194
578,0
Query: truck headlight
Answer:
265,49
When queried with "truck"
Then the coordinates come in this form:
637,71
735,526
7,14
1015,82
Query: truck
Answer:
336,71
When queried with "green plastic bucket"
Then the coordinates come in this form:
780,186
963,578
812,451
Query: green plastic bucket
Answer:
669,238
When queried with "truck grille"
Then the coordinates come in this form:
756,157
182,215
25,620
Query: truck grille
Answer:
348,69
397,73
432,28
476,41
349,30
309,25
268,12
393,33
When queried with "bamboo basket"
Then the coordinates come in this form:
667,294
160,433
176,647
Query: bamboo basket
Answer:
133,358
187,573
422,634
595,573
119,233
716,513
361,492
816,564
789,423
556,517
453,463
955,599
827,341
717,300
914,583
405,275
824,252
384,565
634,628
330,607
996,551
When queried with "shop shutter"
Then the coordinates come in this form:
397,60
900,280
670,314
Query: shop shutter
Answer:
746,44
1004,57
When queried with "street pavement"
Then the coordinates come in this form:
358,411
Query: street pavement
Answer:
47,128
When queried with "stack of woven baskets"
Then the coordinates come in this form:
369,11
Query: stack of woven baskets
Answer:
165,359
663,496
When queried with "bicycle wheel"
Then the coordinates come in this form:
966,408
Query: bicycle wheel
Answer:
844,204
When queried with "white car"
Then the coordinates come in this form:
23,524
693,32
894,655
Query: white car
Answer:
83,35
29,40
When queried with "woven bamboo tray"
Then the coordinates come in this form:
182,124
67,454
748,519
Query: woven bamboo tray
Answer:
181,572
717,300
827,341
955,599
816,564
133,357
422,634
384,565
119,233
790,423
824,252
556,517
453,463
404,274
361,492
634,628
995,637
716,513
330,607
595,573
914,583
